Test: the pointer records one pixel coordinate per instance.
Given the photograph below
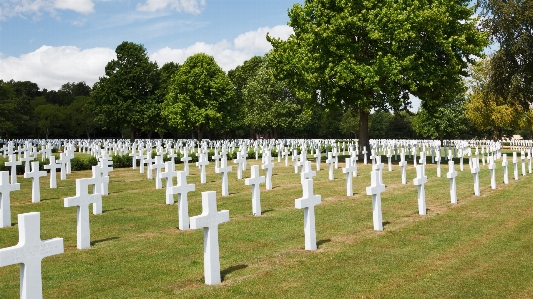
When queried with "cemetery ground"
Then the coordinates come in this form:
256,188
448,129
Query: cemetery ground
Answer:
481,247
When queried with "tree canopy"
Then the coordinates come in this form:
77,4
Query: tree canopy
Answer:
126,95
196,94
372,54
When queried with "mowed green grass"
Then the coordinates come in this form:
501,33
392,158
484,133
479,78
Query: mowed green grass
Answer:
480,248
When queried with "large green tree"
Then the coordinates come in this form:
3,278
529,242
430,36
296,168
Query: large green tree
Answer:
197,95
126,95
372,54
269,105
510,23
445,122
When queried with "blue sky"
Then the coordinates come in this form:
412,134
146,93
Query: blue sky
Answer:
52,42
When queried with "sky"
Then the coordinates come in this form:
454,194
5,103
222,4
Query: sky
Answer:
52,42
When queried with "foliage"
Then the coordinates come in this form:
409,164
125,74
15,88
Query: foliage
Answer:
488,110
196,95
372,54
126,96
48,117
446,122
269,106
511,68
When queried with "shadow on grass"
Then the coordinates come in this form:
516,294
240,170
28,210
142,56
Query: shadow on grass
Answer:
385,223
320,242
231,269
103,240
266,211
111,210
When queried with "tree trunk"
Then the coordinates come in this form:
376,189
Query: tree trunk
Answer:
363,131
132,134
199,133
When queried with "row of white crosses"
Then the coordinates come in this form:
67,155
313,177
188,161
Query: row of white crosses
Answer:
30,250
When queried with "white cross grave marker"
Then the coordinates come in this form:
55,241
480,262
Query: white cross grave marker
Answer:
182,189
475,171
348,170
268,166
255,181
224,169
81,201
505,164
375,189
35,174
452,174
308,203
5,199
419,181
29,253
492,168
209,220
330,162
403,165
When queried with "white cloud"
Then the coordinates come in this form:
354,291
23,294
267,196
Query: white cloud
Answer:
228,55
51,67
11,8
188,6
255,41
81,6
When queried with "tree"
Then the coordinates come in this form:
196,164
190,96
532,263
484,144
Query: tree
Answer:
239,77
81,117
8,108
197,95
488,110
126,94
269,105
49,117
372,54
510,23
446,122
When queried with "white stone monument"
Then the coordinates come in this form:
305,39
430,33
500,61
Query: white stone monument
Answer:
255,181
375,189
29,253
182,189
308,203
35,174
452,174
81,201
209,220
5,199
420,180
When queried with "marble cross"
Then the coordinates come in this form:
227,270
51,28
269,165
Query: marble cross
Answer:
268,166
169,174
505,164
475,171
452,174
308,203
35,174
348,170
375,189
330,162
419,181
29,253
158,165
492,168
209,220
81,201
182,189
255,181
224,169
403,165
13,164
5,199
202,163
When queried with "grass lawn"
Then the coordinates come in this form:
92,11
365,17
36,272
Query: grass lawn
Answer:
480,248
